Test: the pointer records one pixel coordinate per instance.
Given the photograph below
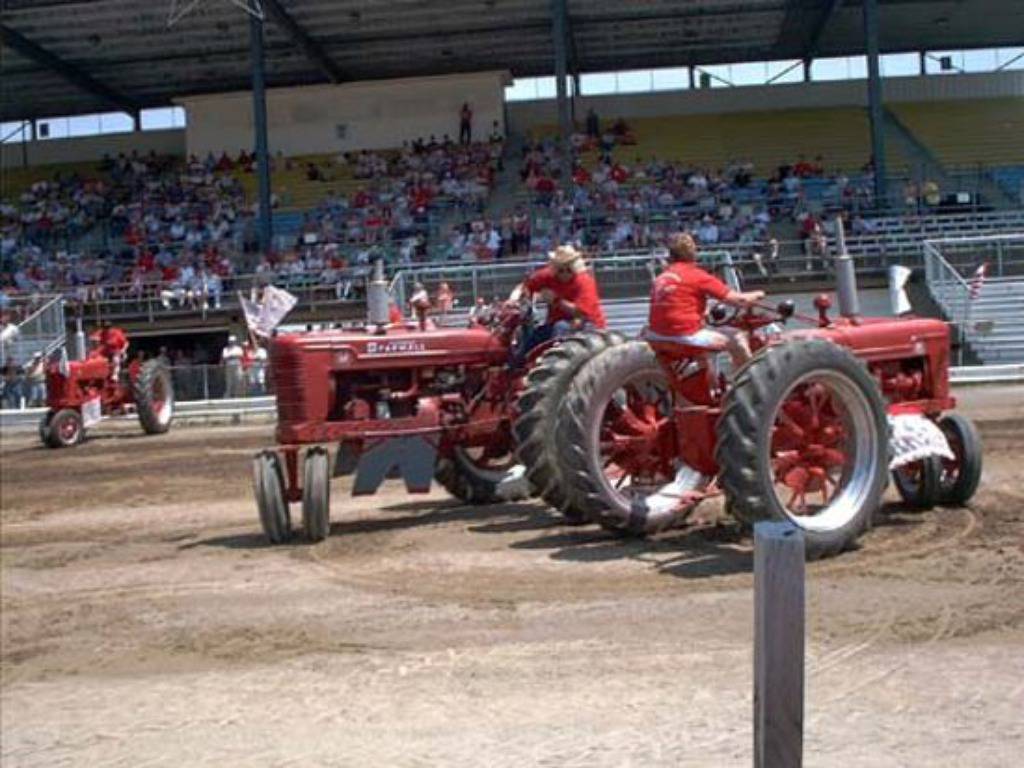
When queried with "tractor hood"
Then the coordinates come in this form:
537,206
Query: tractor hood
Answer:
884,338
398,347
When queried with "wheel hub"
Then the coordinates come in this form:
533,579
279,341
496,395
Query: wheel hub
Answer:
807,454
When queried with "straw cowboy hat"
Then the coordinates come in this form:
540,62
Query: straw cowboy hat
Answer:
567,256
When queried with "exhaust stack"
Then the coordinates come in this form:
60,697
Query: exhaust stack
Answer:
377,297
79,340
846,278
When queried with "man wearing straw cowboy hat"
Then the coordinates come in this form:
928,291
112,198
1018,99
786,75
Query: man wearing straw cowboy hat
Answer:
571,292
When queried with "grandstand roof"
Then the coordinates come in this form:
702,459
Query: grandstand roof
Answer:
77,56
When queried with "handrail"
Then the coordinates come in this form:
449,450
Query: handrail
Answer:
42,308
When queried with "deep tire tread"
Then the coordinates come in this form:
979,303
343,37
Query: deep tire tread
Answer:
539,405
756,387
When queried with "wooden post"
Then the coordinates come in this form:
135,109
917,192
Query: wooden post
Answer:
778,645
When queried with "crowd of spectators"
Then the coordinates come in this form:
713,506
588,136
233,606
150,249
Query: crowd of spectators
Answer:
167,230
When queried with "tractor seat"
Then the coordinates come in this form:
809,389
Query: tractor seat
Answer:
677,347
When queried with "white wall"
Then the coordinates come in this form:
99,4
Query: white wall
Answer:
524,115
87,148
374,114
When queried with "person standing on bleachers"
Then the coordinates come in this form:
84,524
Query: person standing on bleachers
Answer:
465,124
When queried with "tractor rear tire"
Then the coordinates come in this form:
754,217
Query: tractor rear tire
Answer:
316,495
463,479
587,486
959,480
747,428
268,485
918,482
154,397
65,429
546,387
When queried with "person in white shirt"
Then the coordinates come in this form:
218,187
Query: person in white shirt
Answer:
708,231
231,359
258,370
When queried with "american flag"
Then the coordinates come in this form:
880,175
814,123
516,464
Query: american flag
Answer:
977,281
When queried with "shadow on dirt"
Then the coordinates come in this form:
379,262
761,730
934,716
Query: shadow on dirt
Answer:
708,549
412,515
694,553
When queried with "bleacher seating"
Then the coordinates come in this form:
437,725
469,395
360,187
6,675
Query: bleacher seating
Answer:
768,139
995,128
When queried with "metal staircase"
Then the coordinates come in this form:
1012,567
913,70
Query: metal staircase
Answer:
990,325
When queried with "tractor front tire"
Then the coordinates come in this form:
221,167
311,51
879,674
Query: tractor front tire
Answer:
44,427
821,391
316,495
546,387
960,478
154,397
918,482
65,429
268,485
464,479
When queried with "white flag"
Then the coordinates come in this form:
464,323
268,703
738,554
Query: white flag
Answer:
251,310
277,303
898,300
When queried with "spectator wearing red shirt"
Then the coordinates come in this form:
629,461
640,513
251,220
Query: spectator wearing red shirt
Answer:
581,176
574,303
679,297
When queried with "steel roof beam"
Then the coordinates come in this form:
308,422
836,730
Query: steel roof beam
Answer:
313,50
74,75
820,25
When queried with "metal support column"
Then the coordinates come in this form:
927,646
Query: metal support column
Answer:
259,123
693,76
136,120
807,70
875,101
575,96
922,59
559,29
25,135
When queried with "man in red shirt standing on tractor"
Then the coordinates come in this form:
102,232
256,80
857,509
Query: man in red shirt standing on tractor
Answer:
571,292
678,300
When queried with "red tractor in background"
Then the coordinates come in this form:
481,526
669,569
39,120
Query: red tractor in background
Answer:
80,393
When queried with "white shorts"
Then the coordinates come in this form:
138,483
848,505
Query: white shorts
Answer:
705,338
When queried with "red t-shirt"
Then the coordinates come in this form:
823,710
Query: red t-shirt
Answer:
581,291
114,341
679,296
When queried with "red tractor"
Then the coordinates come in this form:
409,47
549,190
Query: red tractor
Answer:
808,431
410,400
80,393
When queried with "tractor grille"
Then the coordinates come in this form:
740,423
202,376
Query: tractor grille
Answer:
290,379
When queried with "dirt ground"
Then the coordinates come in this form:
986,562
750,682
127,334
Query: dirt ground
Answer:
144,622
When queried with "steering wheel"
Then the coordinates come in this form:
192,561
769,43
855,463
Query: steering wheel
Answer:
723,314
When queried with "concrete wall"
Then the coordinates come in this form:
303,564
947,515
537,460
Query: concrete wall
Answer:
87,148
524,115
336,118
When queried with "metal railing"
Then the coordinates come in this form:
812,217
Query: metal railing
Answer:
949,264
42,331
